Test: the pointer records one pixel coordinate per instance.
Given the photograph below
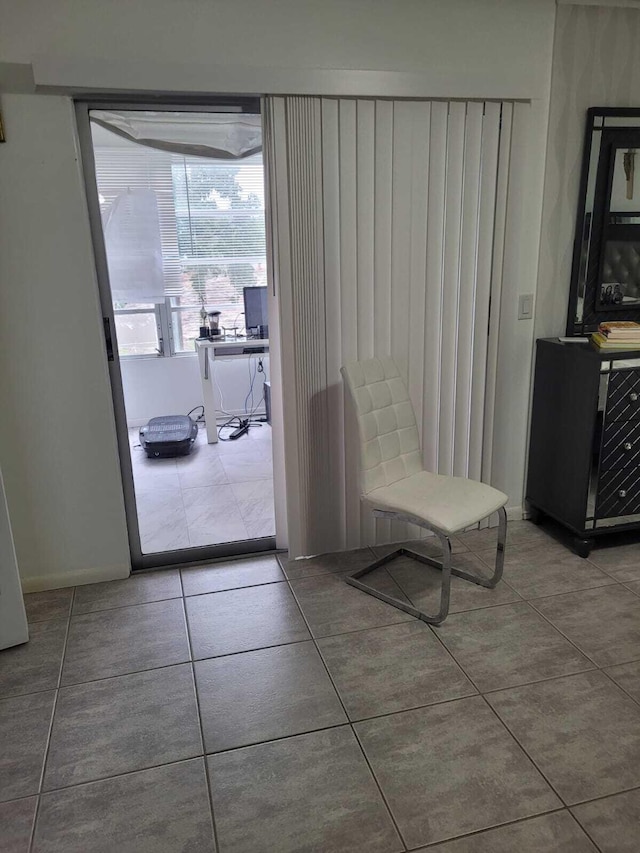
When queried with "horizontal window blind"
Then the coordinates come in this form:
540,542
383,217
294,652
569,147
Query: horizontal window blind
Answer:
211,215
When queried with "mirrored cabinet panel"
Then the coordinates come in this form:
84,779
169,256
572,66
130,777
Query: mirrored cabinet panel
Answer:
606,269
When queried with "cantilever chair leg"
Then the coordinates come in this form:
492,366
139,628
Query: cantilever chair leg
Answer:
444,565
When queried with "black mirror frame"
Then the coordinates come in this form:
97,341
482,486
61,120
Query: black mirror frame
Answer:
594,313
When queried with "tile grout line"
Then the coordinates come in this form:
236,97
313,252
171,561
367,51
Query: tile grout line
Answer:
477,832
45,755
234,588
186,523
557,630
626,584
604,797
123,606
85,782
348,720
523,750
568,639
619,686
205,764
587,833
611,582
378,786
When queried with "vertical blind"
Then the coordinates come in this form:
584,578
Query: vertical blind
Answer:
211,216
388,222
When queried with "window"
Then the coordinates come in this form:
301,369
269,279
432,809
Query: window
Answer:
137,328
211,215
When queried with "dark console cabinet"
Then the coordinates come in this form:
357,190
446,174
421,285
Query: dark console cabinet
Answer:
584,452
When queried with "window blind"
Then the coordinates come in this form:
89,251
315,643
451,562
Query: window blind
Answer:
211,215
389,227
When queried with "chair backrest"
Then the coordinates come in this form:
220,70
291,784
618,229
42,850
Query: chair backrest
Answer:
389,440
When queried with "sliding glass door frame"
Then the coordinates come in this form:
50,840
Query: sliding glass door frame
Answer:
139,560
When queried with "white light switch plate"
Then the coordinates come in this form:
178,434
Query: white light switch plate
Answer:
525,306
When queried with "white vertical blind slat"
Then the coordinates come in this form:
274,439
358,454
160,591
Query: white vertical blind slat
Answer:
419,168
451,284
277,169
383,194
401,195
434,284
401,203
350,322
497,264
468,279
309,321
383,247
365,164
341,485
348,229
486,215
418,258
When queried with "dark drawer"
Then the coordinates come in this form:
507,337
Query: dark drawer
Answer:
620,445
618,493
623,395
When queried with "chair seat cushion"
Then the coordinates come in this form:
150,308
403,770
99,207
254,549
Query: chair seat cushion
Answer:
447,504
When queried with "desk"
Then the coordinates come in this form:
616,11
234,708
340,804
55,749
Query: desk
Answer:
209,351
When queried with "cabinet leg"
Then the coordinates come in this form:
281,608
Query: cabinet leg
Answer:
582,547
535,515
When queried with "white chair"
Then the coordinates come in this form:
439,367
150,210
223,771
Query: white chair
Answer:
394,484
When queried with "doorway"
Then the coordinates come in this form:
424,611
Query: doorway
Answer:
176,199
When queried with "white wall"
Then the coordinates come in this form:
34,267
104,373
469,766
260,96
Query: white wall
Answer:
171,386
57,440
61,471
463,48
159,386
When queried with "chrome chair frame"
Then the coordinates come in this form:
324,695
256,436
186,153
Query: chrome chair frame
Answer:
444,565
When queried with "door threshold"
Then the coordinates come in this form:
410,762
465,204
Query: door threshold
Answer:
223,553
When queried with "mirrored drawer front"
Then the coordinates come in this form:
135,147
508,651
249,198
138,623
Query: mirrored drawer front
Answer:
623,397
618,493
620,445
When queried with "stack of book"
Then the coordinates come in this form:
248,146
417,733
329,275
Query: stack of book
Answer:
620,335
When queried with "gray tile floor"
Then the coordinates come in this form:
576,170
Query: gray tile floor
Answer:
218,493
263,706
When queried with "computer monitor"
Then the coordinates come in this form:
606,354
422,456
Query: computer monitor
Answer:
255,311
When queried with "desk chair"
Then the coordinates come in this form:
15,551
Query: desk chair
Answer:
394,484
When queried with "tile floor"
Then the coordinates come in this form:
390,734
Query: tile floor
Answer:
218,493
263,706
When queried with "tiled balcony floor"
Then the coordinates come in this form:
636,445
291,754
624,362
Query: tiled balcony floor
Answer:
218,493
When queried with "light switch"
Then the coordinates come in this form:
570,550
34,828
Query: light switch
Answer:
525,306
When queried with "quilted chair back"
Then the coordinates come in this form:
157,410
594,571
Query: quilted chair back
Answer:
389,440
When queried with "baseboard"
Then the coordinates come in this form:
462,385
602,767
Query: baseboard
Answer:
136,423
57,580
516,513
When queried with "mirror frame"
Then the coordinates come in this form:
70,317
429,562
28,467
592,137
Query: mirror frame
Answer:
590,228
